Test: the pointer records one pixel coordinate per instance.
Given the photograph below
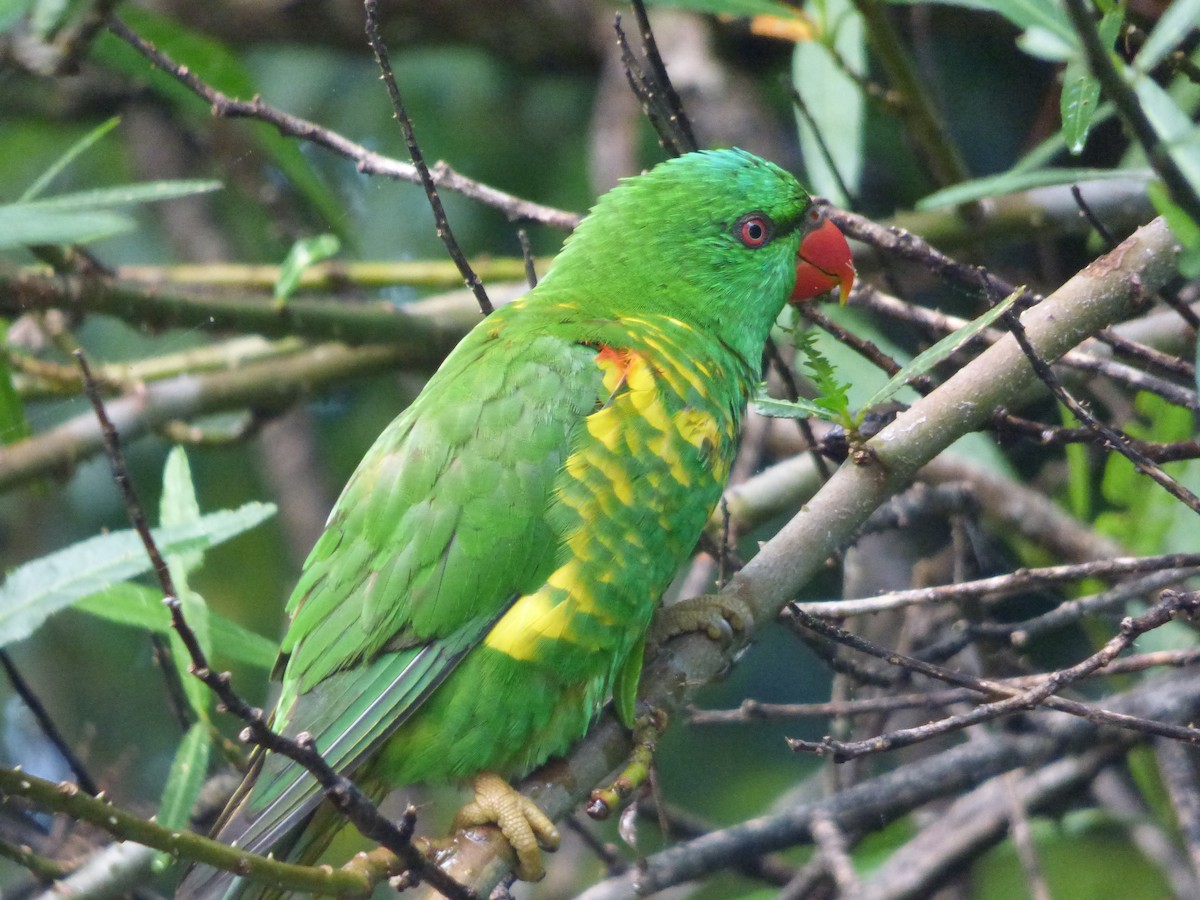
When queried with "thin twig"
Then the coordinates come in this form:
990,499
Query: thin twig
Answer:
418,159
751,710
1171,604
685,138
1094,220
999,586
162,653
46,723
365,160
826,153
832,842
639,83
1116,439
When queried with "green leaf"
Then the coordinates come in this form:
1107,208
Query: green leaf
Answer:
304,253
940,351
1079,471
791,409
13,424
73,152
183,786
126,194
40,588
1179,135
23,225
1043,154
83,216
1081,91
177,508
1012,181
834,101
1077,105
1176,23
833,394
1185,229
139,606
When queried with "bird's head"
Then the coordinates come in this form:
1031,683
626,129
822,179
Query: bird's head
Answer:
720,239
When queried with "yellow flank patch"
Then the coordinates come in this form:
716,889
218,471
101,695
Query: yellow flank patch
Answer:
639,375
649,406
580,543
584,464
605,426
545,615
697,428
531,618
679,472
580,598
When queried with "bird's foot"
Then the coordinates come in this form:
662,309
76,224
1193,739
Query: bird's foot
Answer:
526,828
647,729
719,616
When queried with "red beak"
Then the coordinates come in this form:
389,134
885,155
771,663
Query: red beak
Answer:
824,263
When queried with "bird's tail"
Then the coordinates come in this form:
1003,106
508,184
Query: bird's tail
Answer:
302,843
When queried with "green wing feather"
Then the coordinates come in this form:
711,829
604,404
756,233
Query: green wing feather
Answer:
441,527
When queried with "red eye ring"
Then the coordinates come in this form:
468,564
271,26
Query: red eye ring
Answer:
753,230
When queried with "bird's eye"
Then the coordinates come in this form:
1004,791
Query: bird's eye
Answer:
753,230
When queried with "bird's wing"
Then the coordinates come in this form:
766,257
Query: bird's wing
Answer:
444,524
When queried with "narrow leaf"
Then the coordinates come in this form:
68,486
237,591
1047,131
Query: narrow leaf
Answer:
73,152
127,194
926,361
1081,91
1078,103
139,606
178,505
23,224
304,253
40,588
1179,135
184,783
1013,181
1185,229
791,409
178,508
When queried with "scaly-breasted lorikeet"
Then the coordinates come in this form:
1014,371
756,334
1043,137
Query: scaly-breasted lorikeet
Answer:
489,573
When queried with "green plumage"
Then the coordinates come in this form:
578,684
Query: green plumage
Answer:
490,570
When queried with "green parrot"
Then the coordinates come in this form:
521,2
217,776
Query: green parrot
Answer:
486,580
